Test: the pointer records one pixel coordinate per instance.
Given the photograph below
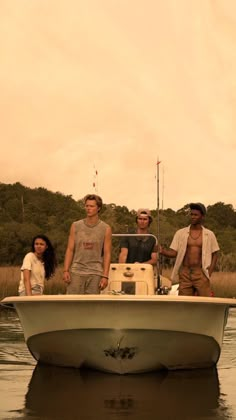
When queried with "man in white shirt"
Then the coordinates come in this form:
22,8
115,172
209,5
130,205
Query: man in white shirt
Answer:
196,250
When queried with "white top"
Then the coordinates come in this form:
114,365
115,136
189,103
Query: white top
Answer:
179,244
37,275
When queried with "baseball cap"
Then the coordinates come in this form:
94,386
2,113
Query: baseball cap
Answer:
198,206
145,212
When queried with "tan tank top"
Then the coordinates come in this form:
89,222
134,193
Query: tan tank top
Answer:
88,252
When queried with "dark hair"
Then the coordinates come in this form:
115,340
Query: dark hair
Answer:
198,206
94,197
49,257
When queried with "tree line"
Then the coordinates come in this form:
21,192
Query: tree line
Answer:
26,212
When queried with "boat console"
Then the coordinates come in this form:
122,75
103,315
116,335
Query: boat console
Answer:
131,279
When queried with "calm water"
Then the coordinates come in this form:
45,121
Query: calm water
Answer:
32,392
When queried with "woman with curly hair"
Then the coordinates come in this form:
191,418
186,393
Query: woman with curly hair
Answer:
38,265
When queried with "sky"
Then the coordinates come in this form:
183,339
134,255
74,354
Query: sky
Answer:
94,93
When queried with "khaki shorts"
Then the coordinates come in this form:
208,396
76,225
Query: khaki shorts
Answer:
193,281
36,290
83,284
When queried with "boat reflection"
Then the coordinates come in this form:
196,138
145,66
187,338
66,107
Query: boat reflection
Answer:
59,393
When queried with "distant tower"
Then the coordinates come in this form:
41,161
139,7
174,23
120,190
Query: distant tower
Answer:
95,180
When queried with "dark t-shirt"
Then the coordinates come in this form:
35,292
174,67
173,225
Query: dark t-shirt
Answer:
139,248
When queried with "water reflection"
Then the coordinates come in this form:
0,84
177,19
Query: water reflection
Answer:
10,326
61,393
11,337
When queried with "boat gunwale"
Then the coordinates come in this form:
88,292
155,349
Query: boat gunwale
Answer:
231,302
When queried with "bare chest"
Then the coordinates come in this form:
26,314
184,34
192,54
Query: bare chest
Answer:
195,239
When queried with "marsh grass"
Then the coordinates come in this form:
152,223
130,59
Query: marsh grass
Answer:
9,280
10,277
223,284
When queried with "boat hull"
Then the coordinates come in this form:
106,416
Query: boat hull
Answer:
124,334
125,351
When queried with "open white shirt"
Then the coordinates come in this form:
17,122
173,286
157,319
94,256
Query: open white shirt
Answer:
179,244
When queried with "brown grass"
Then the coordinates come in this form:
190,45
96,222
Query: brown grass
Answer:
10,277
223,284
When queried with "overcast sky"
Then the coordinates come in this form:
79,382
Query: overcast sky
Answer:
113,85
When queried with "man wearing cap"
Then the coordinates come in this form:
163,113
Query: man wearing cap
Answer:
139,249
196,250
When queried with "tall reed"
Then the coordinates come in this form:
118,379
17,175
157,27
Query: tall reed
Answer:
223,284
10,277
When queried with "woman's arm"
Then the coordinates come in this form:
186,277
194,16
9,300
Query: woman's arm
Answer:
26,278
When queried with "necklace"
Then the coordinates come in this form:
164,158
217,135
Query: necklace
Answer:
197,237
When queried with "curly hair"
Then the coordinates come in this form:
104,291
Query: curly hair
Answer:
49,257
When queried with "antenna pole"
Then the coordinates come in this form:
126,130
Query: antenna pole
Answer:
158,228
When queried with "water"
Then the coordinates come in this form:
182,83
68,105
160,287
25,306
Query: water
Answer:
33,392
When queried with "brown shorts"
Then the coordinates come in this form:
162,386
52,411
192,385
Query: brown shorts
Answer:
193,281
83,284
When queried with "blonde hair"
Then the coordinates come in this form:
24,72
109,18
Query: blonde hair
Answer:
94,197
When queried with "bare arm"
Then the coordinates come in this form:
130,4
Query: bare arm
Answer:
106,258
69,254
153,259
170,253
123,255
26,277
213,262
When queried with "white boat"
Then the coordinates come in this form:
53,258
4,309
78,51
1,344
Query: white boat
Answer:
123,333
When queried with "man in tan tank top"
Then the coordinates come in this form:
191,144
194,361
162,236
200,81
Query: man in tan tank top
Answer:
196,250
88,253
